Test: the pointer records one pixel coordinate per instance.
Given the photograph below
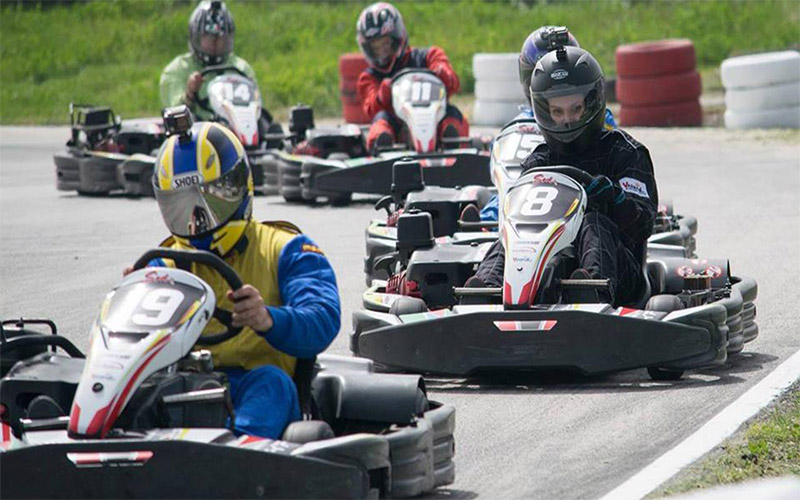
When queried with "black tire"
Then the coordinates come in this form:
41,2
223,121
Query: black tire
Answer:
658,373
307,431
407,305
664,303
340,200
421,402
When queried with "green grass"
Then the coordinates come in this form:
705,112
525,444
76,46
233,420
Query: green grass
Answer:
769,447
112,52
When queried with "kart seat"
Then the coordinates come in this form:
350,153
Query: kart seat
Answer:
654,279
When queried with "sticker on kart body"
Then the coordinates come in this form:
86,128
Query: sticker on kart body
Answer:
110,459
525,326
638,313
438,162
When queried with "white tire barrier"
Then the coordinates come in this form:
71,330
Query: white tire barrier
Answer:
495,113
498,90
757,99
762,90
768,118
760,70
498,93
495,66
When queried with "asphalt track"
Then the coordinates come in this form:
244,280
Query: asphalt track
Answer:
533,436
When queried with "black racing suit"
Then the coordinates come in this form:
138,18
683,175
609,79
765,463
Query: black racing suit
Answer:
612,241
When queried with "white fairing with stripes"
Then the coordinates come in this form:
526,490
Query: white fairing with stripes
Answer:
148,322
543,213
420,101
237,101
514,143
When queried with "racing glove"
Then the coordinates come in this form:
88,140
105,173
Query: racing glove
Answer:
603,190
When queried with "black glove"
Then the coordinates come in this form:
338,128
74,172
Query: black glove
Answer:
603,190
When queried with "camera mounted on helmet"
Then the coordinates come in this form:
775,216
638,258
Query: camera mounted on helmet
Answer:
178,121
557,38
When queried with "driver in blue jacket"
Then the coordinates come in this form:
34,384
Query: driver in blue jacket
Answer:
289,304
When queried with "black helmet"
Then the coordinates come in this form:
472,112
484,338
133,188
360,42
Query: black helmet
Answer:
211,31
568,96
535,47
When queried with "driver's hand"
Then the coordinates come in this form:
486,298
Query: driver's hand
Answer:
249,309
193,84
603,190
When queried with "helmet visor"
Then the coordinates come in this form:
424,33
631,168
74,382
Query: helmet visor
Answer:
216,45
196,209
566,107
382,50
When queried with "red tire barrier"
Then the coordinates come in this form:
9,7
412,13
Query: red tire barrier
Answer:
664,89
681,114
351,65
664,57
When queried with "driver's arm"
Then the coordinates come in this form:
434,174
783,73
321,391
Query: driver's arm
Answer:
172,85
437,61
375,94
635,210
310,317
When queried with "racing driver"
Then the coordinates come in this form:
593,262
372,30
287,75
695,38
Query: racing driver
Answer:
289,304
211,32
567,93
383,39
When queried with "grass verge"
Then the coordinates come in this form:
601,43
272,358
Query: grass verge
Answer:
112,52
768,447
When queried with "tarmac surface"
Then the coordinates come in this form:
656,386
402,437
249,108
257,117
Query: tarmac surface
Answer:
523,436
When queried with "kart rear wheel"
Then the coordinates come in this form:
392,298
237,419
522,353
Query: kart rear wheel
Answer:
657,373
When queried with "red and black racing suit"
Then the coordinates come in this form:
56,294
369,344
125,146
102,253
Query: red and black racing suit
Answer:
612,240
374,90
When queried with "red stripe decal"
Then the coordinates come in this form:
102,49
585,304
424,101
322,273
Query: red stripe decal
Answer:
121,399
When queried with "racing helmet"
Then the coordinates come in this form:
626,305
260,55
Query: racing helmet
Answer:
204,187
535,46
381,35
211,31
568,96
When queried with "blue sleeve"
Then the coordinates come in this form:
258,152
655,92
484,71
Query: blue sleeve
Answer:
610,123
310,317
489,211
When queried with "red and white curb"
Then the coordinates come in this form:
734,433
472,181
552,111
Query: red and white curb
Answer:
711,434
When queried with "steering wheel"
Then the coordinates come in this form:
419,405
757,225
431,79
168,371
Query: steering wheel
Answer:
406,71
183,258
581,176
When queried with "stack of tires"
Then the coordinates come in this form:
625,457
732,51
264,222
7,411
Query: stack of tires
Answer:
350,67
498,93
762,90
658,85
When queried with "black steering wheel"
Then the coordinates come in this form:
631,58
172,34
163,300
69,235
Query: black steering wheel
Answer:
581,176
183,259
406,71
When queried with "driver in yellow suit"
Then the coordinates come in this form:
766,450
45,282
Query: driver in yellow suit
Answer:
289,304
211,32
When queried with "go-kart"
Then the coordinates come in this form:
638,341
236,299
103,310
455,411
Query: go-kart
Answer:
419,100
690,313
105,154
410,193
146,415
